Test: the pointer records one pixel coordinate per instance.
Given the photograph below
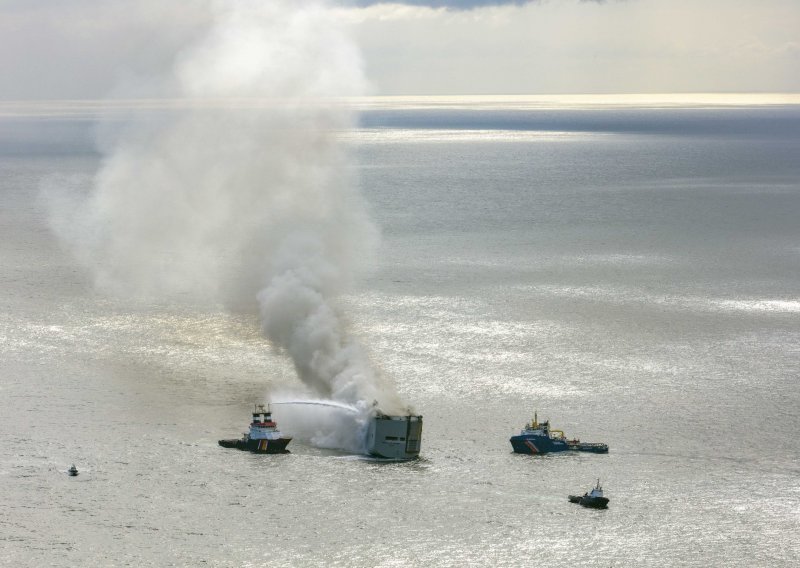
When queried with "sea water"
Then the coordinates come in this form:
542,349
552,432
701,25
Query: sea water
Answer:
629,271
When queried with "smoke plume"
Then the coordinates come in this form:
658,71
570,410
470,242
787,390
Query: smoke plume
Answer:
241,193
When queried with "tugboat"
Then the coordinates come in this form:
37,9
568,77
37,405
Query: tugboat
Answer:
593,498
264,436
539,438
72,471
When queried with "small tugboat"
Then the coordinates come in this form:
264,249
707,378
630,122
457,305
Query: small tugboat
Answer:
263,437
539,438
593,498
72,471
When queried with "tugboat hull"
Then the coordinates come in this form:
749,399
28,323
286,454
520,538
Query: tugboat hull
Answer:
591,502
594,502
277,446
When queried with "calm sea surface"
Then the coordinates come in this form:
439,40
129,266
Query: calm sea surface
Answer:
632,273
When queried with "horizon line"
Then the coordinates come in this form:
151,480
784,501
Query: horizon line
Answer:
75,107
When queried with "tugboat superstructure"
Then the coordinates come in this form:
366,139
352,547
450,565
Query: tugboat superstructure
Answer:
263,437
538,438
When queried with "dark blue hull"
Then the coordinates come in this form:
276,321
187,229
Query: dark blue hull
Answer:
591,502
535,445
528,444
258,446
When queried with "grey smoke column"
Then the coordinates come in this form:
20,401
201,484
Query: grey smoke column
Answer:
245,191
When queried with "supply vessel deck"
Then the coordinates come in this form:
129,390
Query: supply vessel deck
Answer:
538,438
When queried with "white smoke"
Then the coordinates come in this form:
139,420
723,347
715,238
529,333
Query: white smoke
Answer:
244,192
326,425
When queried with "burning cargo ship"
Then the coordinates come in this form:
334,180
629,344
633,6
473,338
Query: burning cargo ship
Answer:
394,437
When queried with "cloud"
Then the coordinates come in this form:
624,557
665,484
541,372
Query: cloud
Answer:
86,48
569,46
456,4
449,4
90,48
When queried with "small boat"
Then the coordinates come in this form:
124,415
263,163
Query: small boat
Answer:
72,471
263,437
593,498
538,438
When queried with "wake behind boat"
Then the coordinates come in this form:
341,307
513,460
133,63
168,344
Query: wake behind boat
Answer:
539,438
263,437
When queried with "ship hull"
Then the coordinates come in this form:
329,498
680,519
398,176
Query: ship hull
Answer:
538,445
591,502
394,437
593,448
594,502
277,446
535,445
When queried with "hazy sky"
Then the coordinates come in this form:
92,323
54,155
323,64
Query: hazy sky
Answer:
91,48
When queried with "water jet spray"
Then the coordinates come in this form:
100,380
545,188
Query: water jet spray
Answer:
332,404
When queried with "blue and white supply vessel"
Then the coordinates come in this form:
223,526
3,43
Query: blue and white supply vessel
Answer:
538,438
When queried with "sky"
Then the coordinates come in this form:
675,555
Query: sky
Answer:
90,49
